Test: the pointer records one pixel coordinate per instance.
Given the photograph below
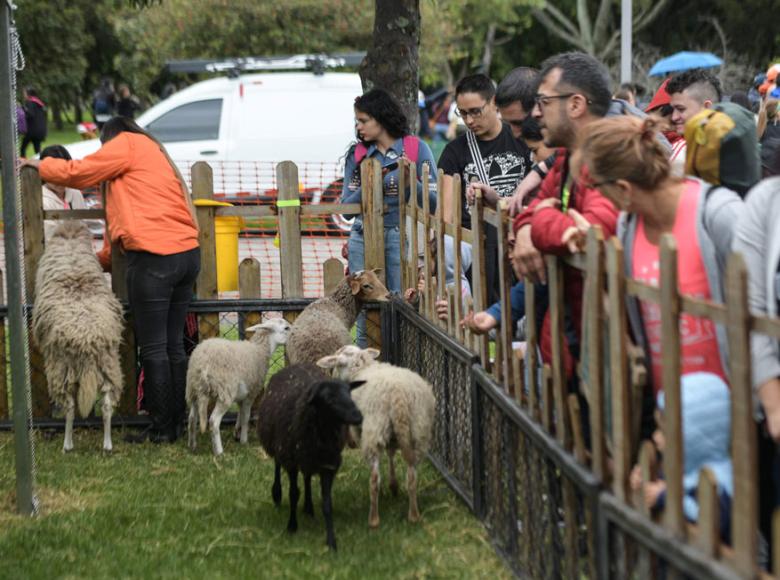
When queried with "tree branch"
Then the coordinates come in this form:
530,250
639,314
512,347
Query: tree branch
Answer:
647,17
566,35
583,17
603,18
561,18
610,46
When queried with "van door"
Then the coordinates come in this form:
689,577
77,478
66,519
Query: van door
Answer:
193,131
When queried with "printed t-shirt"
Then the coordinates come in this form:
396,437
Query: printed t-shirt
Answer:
698,341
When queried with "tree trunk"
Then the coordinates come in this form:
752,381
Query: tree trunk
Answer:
487,55
56,115
392,61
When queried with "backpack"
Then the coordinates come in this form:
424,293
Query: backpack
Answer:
723,147
21,120
411,148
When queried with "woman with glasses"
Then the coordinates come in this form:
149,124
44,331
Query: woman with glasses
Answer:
383,134
628,164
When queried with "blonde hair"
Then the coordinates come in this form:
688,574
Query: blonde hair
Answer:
625,147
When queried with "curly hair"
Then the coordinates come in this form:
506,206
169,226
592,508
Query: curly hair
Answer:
385,109
702,85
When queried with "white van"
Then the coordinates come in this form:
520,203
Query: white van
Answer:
243,126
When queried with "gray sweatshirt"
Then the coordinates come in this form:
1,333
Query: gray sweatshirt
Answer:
758,240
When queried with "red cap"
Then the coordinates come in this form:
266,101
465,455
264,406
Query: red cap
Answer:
660,98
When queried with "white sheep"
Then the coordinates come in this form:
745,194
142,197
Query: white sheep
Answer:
229,371
398,408
77,324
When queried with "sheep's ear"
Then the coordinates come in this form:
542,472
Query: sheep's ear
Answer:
354,285
372,352
261,326
377,271
356,384
328,362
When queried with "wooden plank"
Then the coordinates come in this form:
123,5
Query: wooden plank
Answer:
672,415
332,274
647,464
619,372
428,256
708,538
452,322
570,509
594,321
249,287
411,209
457,236
403,221
744,513
505,332
451,229
206,285
518,380
74,214
580,451
441,291
291,261
547,399
373,237
3,359
768,326
557,315
250,211
478,272
531,344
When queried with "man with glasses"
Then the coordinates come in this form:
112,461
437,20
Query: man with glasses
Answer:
573,92
487,153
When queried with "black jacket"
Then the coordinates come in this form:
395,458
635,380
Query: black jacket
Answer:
35,113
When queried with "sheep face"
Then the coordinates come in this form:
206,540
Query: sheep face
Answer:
367,287
347,361
278,328
333,399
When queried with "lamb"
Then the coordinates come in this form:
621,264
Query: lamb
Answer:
302,425
324,325
77,324
398,409
229,371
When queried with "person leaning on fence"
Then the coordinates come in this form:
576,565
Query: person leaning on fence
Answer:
59,197
574,92
758,240
628,164
151,217
383,134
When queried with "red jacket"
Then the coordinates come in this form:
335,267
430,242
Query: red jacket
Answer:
547,227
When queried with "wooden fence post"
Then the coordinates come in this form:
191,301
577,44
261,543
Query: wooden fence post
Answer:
32,229
249,287
744,524
506,329
3,361
672,414
289,204
594,320
478,280
619,372
531,343
557,316
373,237
457,265
414,231
427,306
441,272
332,274
206,285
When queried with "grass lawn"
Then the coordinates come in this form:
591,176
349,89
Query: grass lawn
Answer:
160,512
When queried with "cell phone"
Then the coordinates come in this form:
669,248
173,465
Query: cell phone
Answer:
392,167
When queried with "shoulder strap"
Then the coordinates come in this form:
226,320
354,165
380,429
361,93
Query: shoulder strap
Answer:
476,156
412,147
360,152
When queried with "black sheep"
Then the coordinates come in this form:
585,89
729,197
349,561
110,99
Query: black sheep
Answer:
301,424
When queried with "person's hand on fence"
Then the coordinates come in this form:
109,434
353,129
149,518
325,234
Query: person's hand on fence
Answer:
442,309
489,194
24,162
526,259
410,294
769,395
479,322
574,236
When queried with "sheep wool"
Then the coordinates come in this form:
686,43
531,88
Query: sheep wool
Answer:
228,371
325,324
398,408
77,324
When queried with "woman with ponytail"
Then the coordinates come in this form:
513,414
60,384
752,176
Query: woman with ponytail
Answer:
630,167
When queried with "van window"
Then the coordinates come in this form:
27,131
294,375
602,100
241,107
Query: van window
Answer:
198,121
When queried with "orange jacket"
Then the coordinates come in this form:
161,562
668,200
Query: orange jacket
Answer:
145,205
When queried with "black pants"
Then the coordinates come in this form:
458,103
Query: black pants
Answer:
26,140
159,289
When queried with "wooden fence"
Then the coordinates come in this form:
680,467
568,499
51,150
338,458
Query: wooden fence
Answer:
288,210
611,362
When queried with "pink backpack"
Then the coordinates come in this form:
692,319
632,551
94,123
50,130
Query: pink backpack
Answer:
411,148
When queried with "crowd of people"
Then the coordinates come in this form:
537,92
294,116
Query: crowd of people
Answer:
566,153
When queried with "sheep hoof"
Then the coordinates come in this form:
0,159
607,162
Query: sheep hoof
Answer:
394,488
67,449
414,517
276,495
373,523
332,546
108,449
292,527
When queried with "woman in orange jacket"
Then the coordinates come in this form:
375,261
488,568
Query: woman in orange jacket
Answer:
150,216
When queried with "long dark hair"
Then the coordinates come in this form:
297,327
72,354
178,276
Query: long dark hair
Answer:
386,110
117,125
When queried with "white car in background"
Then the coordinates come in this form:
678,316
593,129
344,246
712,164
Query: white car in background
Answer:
244,125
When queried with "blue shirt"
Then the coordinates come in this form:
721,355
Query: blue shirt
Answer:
352,190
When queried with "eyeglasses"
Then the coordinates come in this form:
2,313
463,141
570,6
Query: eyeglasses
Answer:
473,113
544,100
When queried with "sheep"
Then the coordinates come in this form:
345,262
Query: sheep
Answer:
324,325
398,409
302,425
229,371
77,324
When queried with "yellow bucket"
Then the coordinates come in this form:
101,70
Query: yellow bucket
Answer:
226,229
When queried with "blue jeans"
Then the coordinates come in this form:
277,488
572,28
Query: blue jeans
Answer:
357,255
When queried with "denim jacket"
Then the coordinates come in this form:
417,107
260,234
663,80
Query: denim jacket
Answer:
352,189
